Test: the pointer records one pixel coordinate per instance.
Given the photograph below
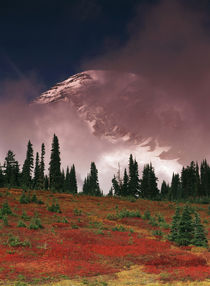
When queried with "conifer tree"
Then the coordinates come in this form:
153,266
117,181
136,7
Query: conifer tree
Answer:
125,191
164,189
37,173
91,184
149,187
186,228
62,188
175,191
11,170
42,167
174,233
73,180
67,181
116,186
2,178
133,184
28,166
199,238
46,182
55,165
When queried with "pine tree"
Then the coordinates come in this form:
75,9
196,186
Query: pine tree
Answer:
46,182
175,190
73,180
67,181
91,184
164,189
116,186
28,166
42,167
125,184
133,184
149,187
55,165
2,178
11,170
36,184
199,238
174,233
186,228
205,178
63,179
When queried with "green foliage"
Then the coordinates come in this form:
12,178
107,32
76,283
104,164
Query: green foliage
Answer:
146,215
157,232
185,231
148,186
21,224
55,166
77,212
199,238
5,209
24,216
5,220
35,223
119,228
91,184
127,213
14,241
153,221
28,167
25,198
54,208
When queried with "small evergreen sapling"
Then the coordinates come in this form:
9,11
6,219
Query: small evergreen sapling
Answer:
199,238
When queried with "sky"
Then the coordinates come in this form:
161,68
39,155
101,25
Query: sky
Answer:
165,43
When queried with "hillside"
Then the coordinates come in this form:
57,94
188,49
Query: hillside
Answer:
95,241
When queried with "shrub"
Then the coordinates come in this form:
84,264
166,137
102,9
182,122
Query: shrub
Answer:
21,224
157,232
153,221
24,216
5,210
127,213
25,198
54,208
119,228
14,241
77,212
35,223
146,215
5,220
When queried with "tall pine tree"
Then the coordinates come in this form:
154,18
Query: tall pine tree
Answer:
55,166
28,167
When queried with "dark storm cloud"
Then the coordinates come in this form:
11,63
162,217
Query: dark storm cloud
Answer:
169,47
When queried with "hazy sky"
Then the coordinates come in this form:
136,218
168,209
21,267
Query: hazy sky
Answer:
166,43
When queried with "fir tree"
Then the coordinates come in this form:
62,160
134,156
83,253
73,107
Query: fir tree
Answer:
175,191
42,167
116,186
11,170
55,165
186,228
164,189
149,187
174,233
125,184
91,184
2,178
133,184
199,238
46,182
73,180
28,166
37,173
67,181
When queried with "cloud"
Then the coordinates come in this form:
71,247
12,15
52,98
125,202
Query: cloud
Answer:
168,47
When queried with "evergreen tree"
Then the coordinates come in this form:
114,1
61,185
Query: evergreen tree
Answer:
28,166
42,167
175,191
133,184
67,186
63,179
199,238
37,173
91,184
55,165
2,178
149,187
11,170
205,178
73,180
164,189
46,182
174,233
186,227
125,191
116,186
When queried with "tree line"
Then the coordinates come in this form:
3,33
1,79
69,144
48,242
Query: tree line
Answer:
193,182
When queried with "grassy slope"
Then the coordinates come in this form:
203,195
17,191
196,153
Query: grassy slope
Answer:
87,251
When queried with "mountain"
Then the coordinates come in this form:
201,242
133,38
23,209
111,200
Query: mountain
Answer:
106,100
